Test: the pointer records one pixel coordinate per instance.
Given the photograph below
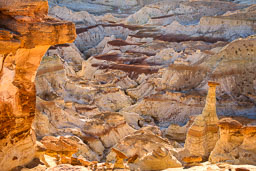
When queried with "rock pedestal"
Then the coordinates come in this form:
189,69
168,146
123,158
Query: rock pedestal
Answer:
203,134
236,144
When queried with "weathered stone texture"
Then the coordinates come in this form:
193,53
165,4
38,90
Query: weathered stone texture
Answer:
203,134
236,144
28,33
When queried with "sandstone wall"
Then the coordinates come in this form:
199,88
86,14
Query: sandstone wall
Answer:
26,33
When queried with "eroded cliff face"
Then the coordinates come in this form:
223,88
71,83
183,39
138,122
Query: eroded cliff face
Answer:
117,84
26,33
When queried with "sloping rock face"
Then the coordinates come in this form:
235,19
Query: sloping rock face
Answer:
99,7
228,26
26,35
203,134
60,145
109,128
236,144
79,18
165,12
238,64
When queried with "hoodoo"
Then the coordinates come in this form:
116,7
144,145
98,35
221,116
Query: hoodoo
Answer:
203,134
236,144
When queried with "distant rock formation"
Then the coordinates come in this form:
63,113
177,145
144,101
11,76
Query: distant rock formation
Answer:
26,33
203,134
184,12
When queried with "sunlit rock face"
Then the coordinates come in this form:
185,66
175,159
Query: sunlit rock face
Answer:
27,34
236,143
203,133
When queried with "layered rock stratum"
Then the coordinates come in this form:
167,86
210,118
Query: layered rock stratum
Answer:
26,34
131,91
235,144
203,133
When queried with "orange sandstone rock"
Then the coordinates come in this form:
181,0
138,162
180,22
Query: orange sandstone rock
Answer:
119,164
228,123
28,33
192,159
236,144
60,145
203,134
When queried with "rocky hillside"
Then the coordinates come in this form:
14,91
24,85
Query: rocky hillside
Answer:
149,85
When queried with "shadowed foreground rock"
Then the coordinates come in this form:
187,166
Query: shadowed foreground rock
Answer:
26,33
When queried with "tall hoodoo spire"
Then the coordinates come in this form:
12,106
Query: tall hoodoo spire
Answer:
203,134
210,105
